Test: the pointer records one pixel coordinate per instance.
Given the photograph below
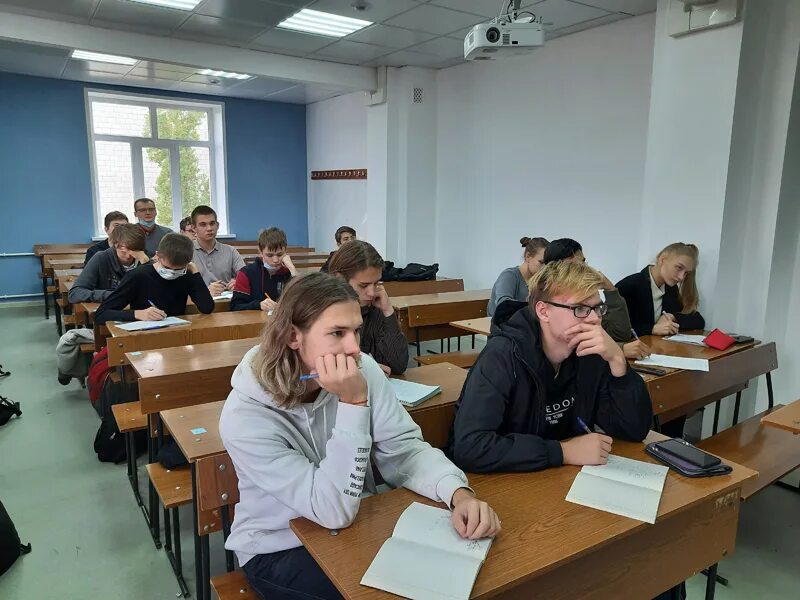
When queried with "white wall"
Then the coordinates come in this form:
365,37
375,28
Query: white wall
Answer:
688,144
551,144
336,135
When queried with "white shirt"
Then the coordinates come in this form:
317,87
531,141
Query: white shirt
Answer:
658,297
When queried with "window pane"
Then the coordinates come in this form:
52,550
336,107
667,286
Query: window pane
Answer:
176,124
121,119
157,182
114,178
195,178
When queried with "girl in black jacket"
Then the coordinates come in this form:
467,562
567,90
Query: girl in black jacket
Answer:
662,298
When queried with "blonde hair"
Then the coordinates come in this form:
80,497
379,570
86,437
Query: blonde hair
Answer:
689,296
562,278
276,366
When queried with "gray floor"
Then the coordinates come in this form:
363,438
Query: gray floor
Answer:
89,538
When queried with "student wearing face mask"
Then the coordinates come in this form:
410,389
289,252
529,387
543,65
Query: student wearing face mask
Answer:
304,447
146,213
360,265
159,289
104,271
259,284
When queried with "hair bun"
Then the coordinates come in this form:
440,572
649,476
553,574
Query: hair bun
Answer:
524,241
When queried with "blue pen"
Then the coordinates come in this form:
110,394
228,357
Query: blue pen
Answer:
633,331
582,425
310,376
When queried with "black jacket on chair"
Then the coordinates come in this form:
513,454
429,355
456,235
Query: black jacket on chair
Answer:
500,419
639,297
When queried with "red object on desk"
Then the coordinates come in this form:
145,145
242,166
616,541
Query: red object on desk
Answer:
719,340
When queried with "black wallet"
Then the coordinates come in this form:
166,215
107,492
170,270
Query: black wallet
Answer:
686,459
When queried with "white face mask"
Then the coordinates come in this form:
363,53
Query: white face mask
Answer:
170,274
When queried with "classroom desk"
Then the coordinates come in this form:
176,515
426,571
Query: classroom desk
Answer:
187,375
480,326
680,392
215,327
66,262
786,417
430,286
551,548
426,317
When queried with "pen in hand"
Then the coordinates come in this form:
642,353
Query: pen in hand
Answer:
582,425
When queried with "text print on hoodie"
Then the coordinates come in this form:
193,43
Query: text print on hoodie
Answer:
314,460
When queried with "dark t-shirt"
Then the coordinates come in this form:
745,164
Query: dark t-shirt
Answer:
560,404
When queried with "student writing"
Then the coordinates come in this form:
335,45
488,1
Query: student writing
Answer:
259,284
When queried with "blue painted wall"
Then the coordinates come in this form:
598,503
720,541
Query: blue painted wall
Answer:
45,179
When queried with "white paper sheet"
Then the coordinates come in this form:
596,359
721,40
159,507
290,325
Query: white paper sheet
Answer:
684,338
145,325
674,362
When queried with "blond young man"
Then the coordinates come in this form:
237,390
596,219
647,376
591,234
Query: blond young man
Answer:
549,368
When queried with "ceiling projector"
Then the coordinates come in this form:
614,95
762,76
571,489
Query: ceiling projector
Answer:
488,41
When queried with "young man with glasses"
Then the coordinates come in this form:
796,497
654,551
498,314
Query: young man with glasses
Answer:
146,213
547,369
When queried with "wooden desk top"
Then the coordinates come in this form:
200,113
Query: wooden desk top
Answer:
180,421
541,530
404,302
66,261
65,284
786,417
429,286
59,273
198,321
187,360
42,249
480,326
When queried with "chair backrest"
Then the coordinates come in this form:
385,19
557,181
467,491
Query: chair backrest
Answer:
217,486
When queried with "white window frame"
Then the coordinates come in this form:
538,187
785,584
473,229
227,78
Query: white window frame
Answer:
215,112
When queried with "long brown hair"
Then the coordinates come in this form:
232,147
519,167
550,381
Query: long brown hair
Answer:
276,366
689,296
352,257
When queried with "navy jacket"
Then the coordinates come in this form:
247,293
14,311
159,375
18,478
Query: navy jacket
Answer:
253,281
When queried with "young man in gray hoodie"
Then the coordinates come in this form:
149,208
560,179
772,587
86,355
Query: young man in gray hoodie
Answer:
105,269
305,448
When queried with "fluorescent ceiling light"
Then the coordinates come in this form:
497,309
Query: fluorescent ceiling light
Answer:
213,73
179,4
106,58
322,23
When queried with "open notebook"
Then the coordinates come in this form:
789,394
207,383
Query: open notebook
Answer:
425,558
410,393
226,295
145,325
624,486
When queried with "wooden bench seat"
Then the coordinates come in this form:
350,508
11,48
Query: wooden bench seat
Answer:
770,451
129,417
173,486
232,586
465,360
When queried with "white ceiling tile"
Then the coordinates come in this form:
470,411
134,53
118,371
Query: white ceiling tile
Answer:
304,94
632,7
75,72
443,46
354,51
157,73
391,37
261,86
210,80
93,65
379,10
71,10
558,14
252,11
199,88
587,25
484,8
140,17
162,66
200,27
434,19
146,80
291,40
407,58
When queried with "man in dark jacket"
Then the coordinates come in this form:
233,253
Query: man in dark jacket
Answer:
259,284
547,369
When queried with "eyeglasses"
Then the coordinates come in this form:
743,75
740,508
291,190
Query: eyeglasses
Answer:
582,310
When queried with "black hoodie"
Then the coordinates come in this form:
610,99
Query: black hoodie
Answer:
500,415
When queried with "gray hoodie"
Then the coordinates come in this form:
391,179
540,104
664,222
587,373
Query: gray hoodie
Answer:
314,460
99,278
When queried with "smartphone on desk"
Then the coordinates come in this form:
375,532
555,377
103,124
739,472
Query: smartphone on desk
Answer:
687,459
691,454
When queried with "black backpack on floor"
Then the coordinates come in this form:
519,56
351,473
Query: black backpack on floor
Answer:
8,409
109,443
10,546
